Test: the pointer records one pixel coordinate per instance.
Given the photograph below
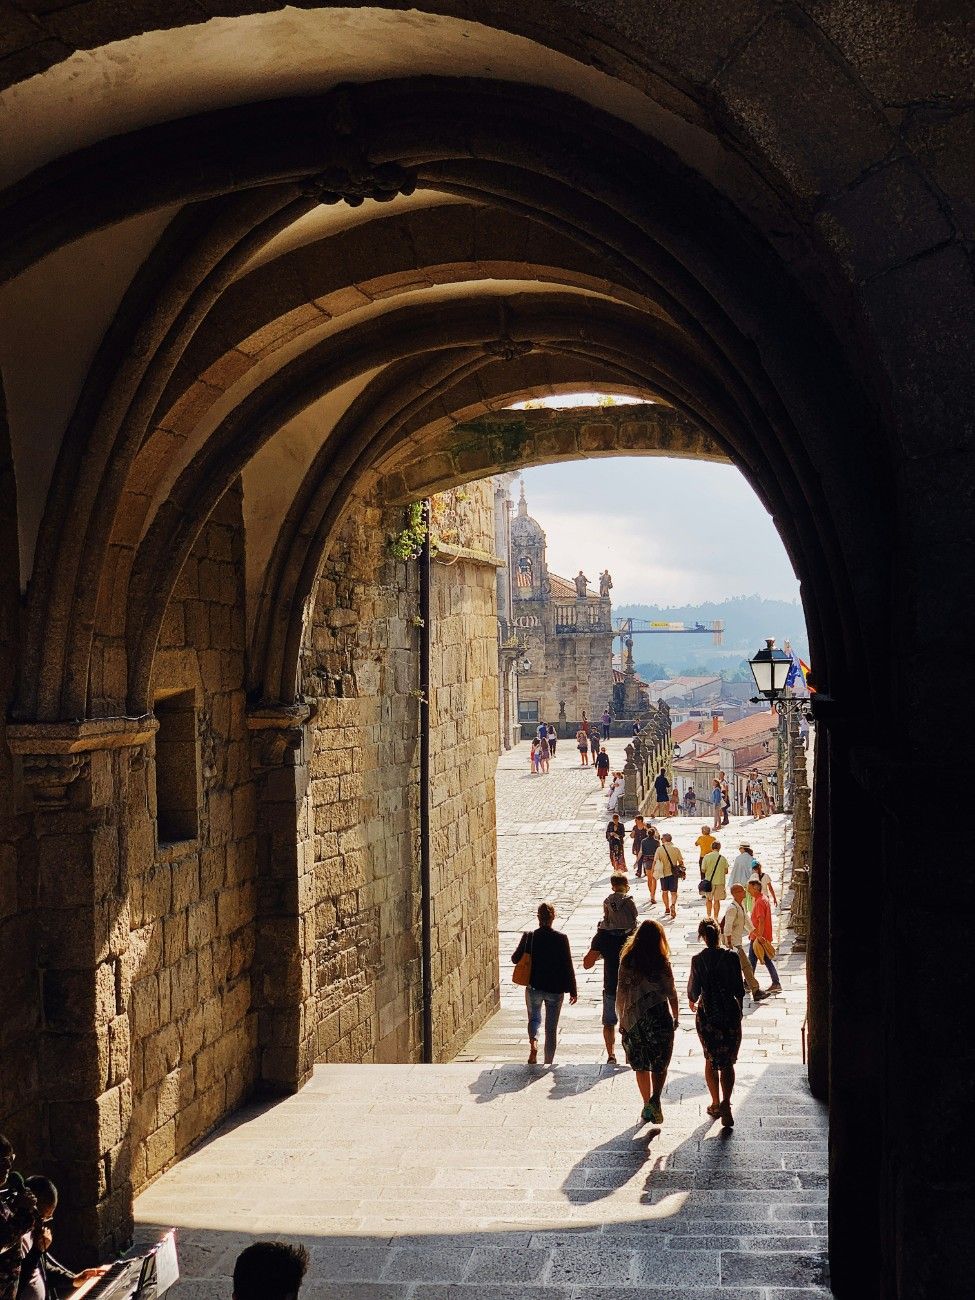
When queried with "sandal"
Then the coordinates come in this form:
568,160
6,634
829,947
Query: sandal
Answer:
714,1110
610,1060
727,1119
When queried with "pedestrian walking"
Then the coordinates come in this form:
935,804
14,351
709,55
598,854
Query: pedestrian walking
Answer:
602,767
760,945
716,805
648,852
541,731
533,758
690,802
619,909
606,720
668,867
615,833
742,867
761,875
674,801
646,1002
661,788
582,744
733,926
553,739
552,976
544,753
594,746
637,836
714,872
725,798
715,992
704,843
607,946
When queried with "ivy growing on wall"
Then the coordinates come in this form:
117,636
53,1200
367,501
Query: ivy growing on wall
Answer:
408,542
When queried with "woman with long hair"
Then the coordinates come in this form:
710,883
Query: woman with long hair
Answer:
615,835
646,1002
715,990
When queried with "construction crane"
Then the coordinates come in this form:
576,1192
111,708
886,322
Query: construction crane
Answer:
627,628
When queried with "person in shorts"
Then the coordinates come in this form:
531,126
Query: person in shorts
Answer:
668,866
607,945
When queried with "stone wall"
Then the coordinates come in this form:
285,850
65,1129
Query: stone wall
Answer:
193,1032
361,669
20,1021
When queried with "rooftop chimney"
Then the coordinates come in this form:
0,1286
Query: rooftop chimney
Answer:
715,723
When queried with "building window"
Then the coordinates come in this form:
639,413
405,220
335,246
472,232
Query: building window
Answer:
177,769
528,710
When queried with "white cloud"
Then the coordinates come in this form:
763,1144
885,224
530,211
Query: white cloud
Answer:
669,531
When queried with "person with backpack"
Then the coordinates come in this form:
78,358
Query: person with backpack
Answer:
715,992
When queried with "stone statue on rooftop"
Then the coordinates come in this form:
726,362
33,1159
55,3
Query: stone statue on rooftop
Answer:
605,583
582,582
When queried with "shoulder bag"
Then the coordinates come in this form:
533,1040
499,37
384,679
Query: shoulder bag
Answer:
706,883
522,973
675,870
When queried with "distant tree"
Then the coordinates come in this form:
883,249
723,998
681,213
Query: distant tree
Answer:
653,672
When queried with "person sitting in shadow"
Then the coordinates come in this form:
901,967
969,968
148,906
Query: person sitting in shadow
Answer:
270,1270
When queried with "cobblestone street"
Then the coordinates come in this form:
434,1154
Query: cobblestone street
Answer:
488,1179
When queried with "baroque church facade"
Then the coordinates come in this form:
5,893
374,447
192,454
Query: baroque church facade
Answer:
566,630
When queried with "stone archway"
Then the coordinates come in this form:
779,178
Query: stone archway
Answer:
659,207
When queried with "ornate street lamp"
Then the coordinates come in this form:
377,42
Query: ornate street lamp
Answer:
770,668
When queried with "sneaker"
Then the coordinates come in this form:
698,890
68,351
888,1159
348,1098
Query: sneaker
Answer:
652,1112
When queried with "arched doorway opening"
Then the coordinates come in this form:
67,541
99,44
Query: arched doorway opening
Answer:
244,349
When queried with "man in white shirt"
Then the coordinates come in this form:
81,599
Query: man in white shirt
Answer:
742,867
734,924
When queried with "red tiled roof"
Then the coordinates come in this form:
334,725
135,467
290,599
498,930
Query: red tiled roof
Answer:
523,579
685,731
745,728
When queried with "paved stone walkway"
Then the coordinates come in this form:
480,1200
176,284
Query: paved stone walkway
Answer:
490,1180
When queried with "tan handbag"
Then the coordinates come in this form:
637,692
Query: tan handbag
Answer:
522,973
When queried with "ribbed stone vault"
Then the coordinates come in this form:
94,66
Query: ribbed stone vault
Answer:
326,245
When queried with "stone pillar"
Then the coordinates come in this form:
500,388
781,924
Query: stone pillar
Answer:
74,781
629,804
817,940
284,960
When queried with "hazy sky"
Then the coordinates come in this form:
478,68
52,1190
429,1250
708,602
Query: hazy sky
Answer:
669,531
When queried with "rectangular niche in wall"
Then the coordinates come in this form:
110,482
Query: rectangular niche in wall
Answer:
177,769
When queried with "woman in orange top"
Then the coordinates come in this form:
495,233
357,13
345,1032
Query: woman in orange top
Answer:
762,931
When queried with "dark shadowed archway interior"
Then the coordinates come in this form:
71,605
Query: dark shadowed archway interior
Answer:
277,281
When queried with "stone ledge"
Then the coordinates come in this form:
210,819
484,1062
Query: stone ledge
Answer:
80,737
471,556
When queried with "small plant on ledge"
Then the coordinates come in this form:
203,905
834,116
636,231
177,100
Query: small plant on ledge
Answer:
408,543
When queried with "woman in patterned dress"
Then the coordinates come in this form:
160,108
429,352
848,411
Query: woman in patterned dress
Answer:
646,1002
